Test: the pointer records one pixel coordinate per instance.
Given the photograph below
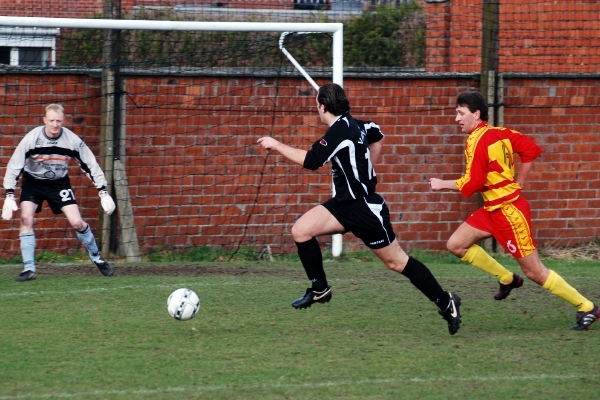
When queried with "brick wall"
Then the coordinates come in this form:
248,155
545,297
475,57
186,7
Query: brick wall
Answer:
551,37
47,9
539,36
89,8
453,36
197,176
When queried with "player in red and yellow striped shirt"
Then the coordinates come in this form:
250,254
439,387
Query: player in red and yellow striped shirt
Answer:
505,214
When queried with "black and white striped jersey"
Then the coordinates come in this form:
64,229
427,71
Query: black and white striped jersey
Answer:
47,159
346,145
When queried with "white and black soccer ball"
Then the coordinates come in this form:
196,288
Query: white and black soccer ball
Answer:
183,304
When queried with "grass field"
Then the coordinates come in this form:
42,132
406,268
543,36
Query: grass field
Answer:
75,334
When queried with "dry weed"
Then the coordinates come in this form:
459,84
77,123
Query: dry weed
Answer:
583,251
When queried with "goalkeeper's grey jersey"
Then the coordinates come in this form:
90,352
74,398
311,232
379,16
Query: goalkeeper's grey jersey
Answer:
48,159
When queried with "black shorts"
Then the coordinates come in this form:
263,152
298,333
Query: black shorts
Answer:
367,218
57,193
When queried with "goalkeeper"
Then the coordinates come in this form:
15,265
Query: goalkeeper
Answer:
353,147
43,157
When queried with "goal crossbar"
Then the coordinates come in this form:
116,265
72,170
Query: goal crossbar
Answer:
130,24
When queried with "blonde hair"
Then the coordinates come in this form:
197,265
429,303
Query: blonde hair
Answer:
55,107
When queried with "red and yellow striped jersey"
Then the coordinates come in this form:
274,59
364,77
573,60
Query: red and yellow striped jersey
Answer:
489,153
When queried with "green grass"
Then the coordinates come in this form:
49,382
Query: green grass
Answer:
83,336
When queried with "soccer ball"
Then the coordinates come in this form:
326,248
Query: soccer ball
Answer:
183,304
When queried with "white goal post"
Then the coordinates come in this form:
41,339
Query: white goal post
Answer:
336,29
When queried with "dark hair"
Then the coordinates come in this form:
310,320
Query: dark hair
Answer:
333,97
473,101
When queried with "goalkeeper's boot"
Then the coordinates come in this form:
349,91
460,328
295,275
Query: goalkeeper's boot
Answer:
311,297
27,275
103,266
452,313
504,290
585,319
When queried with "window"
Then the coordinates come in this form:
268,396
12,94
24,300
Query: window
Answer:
34,56
30,47
5,55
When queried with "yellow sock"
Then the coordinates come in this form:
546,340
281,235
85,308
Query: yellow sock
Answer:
482,260
559,287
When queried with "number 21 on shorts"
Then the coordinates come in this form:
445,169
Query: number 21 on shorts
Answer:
67,195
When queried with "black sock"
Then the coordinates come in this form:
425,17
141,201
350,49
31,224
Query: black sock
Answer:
85,230
312,261
420,276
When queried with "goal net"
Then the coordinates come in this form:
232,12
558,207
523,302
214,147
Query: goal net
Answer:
173,111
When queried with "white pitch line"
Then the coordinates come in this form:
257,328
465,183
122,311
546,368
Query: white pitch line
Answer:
191,283
311,385
129,287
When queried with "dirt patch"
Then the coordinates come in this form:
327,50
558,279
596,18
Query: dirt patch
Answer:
168,270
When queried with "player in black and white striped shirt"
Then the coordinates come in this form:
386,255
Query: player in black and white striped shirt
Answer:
353,147
42,157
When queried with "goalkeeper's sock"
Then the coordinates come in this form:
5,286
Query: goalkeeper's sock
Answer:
477,257
420,276
556,285
312,261
28,250
88,240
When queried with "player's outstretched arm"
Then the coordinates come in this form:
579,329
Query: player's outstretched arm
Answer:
438,184
295,155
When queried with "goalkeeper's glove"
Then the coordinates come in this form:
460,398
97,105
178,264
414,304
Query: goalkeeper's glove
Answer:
107,202
9,206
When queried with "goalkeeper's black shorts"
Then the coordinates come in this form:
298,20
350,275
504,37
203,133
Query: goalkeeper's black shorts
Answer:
58,193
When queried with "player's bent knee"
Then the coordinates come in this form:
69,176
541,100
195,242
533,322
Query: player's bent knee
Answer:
295,231
396,267
538,276
300,235
456,249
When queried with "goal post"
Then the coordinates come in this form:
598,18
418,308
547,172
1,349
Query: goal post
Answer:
335,28
119,176
336,239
